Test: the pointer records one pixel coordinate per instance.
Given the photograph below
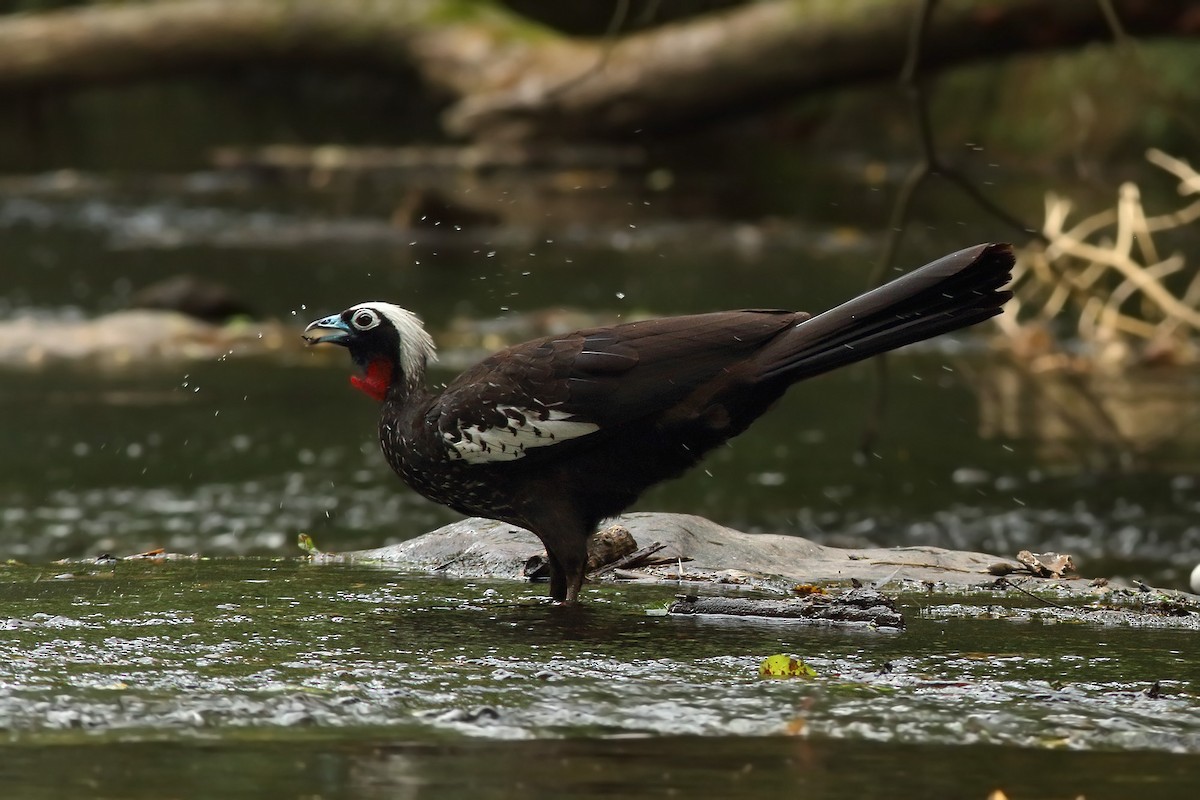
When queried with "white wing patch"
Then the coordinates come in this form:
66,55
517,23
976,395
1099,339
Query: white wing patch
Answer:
524,429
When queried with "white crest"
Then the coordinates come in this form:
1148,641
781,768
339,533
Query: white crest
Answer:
523,429
416,345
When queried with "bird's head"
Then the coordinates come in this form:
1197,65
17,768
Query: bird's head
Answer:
388,343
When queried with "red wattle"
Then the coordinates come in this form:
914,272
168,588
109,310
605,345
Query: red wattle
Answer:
377,380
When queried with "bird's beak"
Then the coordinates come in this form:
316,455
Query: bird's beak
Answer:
331,329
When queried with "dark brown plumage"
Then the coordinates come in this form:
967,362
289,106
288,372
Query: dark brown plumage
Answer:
556,434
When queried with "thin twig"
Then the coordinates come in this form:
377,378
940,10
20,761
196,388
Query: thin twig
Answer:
629,560
615,23
929,164
1007,582
919,108
898,221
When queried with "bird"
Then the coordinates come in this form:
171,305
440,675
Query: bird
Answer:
560,433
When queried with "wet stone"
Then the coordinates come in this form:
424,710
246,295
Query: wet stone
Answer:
703,553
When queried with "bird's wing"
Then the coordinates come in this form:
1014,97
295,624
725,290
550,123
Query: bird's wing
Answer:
562,388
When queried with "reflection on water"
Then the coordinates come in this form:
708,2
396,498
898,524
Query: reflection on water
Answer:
385,766
1125,415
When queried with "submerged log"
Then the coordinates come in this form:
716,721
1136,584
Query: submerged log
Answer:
861,607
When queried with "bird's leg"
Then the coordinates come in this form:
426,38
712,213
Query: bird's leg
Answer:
558,583
564,535
567,565
573,563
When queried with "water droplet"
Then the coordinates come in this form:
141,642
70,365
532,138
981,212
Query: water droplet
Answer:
620,295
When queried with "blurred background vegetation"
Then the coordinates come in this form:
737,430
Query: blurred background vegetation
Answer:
1080,108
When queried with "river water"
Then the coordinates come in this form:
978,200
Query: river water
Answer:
253,674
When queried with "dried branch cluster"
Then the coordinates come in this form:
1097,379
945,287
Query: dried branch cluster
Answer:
1109,276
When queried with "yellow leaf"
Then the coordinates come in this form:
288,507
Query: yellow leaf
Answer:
783,666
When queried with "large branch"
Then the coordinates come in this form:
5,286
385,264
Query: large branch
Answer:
448,41
765,52
510,77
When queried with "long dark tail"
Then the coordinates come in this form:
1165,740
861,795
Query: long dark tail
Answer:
953,292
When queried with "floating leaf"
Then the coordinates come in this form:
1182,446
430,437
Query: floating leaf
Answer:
805,589
783,666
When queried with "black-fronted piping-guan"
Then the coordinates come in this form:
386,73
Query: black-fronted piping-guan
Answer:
557,434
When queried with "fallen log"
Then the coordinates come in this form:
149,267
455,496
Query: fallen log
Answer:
508,77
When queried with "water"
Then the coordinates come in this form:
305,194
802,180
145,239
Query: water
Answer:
363,680
306,766
260,674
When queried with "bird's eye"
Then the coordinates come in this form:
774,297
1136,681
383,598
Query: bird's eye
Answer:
365,320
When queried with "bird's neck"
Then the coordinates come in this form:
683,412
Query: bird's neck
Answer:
406,390
404,406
